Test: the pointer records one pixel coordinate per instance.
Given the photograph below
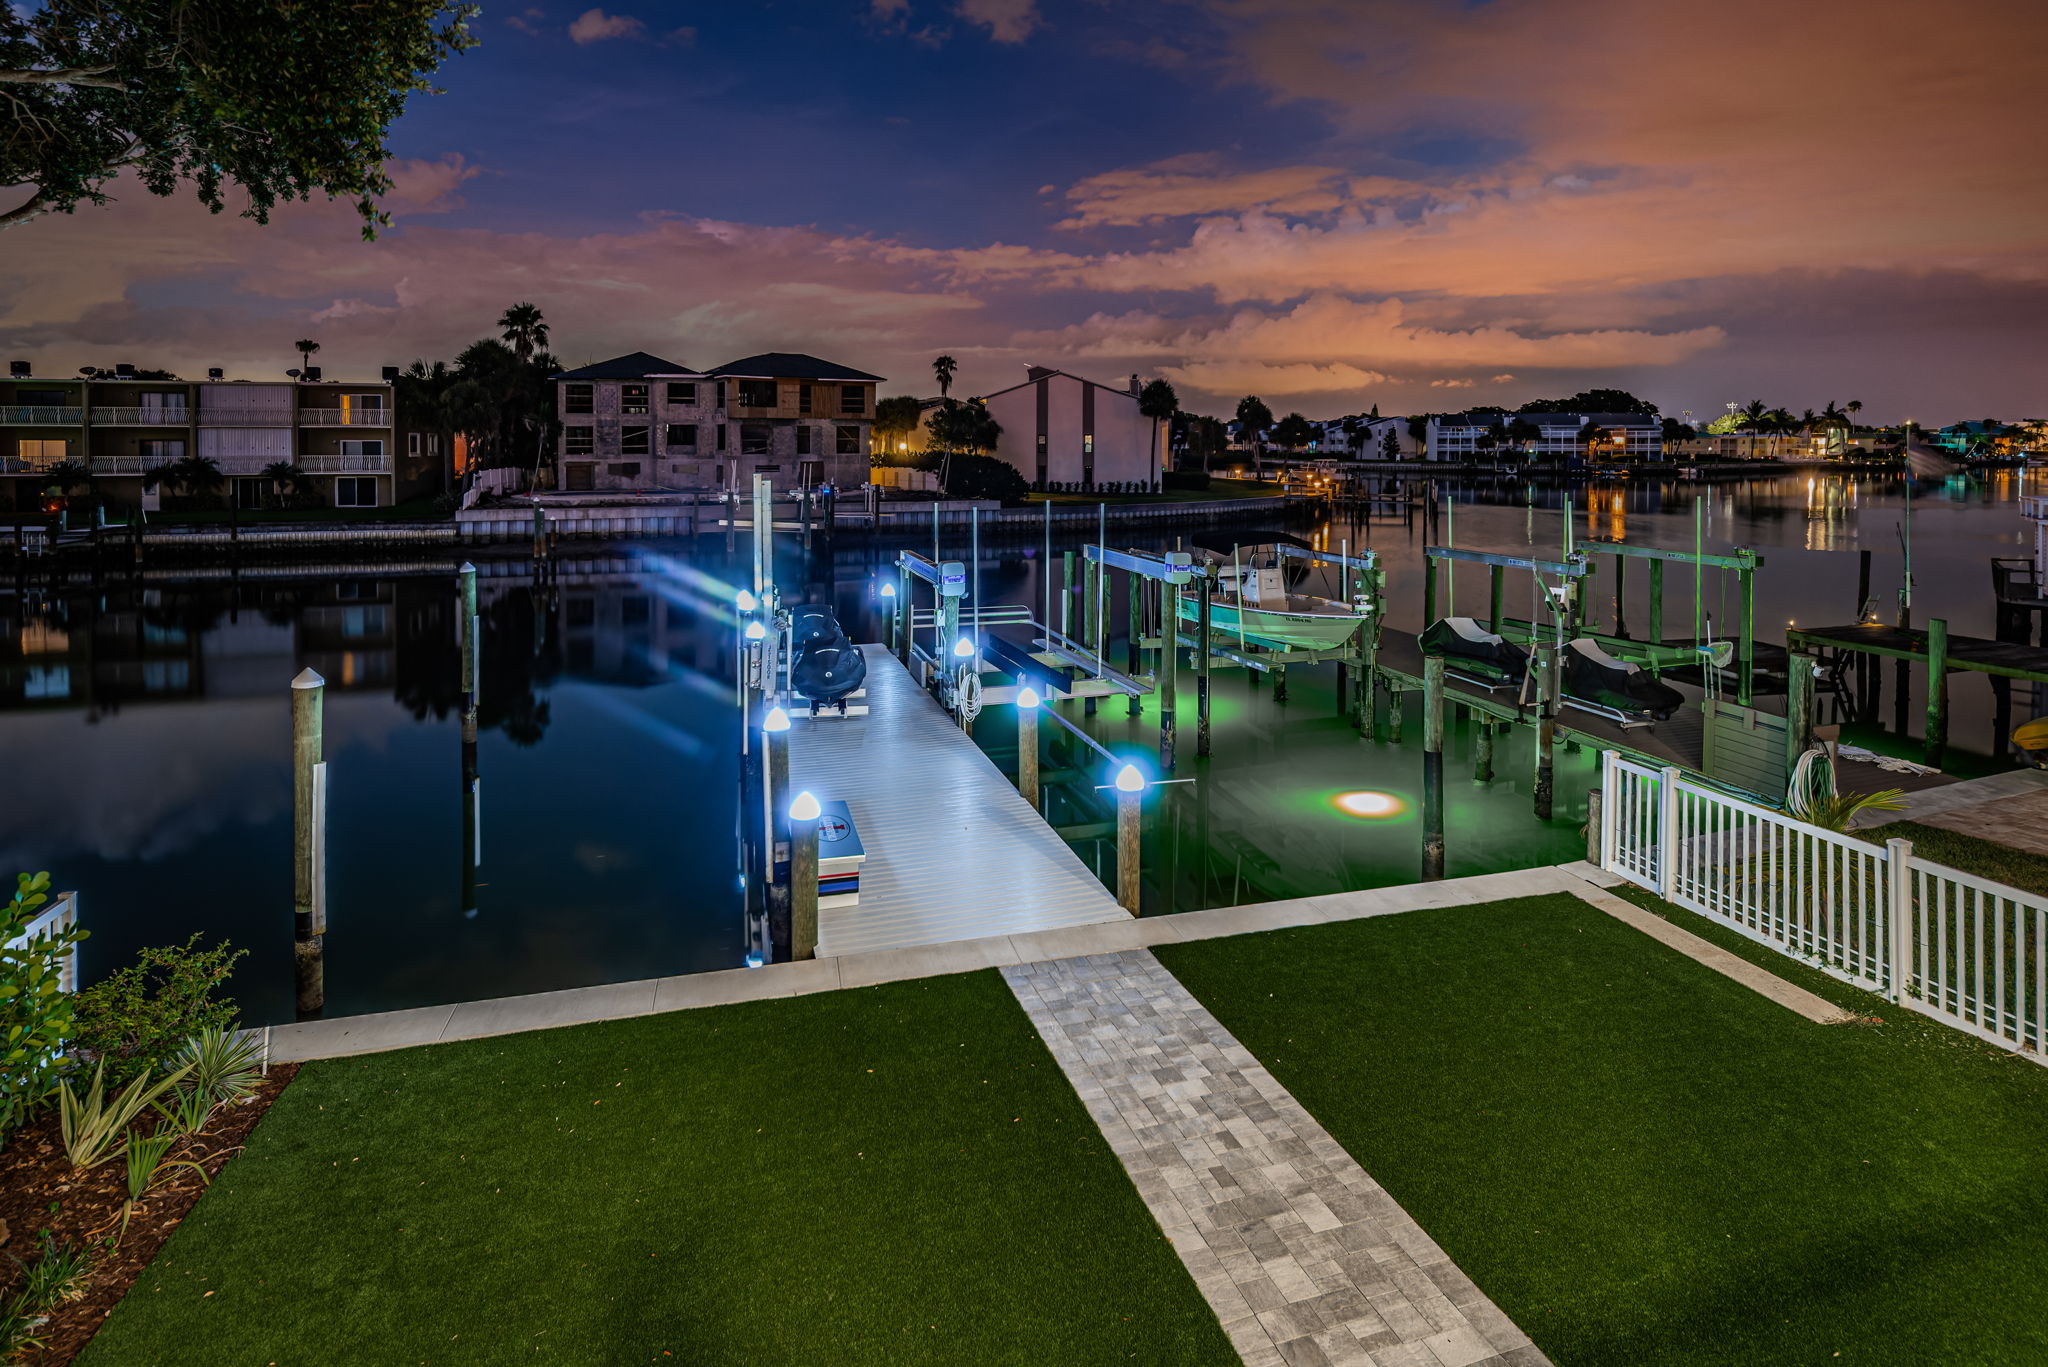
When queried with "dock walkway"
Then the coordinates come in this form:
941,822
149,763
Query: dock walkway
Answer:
2002,659
954,851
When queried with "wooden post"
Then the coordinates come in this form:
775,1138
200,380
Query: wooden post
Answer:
1135,591
776,804
1657,601
540,534
1593,805
1066,594
1745,648
1428,592
1396,713
1799,669
1202,600
1546,729
1027,747
803,877
309,864
1937,690
1167,679
1432,768
1279,683
1482,752
1496,577
1129,814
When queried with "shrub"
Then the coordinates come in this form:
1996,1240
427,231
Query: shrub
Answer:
984,477
224,1063
37,1017
141,1018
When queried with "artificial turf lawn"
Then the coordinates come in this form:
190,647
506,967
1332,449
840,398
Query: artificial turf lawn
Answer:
898,1174
1644,1162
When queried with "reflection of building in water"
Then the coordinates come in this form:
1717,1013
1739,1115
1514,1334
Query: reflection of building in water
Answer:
349,634
624,630
1607,513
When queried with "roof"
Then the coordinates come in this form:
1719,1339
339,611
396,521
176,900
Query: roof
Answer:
1034,373
790,365
634,365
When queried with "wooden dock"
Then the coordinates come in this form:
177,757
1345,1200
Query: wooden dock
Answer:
954,851
2000,659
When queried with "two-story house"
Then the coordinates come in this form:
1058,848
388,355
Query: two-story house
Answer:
641,422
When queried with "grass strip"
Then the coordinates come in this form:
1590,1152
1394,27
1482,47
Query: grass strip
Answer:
1644,1162
899,1174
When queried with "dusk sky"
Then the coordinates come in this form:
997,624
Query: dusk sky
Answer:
1415,203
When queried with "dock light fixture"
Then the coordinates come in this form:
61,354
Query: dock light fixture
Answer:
1027,697
756,632
804,807
745,600
964,648
888,588
1130,780
776,720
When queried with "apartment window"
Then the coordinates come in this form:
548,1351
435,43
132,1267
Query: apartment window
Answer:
756,438
579,398
355,492
803,398
1042,456
579,441
721,435
683,393
433,443
682,436
721,393
757,393
853,399
636,441
412,443
41,451
632,398
45,398
626,469
848,440
362,447
803,440
162,451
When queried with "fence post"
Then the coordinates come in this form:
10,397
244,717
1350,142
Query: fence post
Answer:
1899,876
1667,832
1611,781
1596,827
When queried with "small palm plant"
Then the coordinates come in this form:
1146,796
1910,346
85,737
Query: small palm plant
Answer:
1813,798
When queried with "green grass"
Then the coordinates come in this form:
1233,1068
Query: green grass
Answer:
1985,858
1643,1162
891,1175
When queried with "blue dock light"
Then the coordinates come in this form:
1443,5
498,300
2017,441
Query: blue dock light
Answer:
888,588
1130,780
756,632
744,600
1028,697
776,720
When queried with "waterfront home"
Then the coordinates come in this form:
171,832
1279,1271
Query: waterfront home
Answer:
1064,429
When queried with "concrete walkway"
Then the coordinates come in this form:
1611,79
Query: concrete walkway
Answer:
1304,1258
1950,798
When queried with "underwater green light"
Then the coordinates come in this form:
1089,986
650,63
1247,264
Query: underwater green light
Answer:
1369,804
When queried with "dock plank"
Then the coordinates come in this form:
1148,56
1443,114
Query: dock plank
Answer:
954,851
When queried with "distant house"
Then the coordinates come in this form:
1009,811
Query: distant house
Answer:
1480,437
1059,428
641,422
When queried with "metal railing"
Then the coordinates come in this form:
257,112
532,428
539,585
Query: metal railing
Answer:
126,465
142,417
212,416
344,417
1969,952
345,465
40,415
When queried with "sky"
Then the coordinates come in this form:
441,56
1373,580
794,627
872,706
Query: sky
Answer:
1334,204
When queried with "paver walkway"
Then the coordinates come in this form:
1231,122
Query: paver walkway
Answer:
1306,1260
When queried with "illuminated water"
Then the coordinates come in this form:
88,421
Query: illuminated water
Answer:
145,732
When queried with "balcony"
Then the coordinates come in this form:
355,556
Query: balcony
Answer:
344,417
126,465
142,417
37,415
345,465
210,416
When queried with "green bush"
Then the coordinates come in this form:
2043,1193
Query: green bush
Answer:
36,1017
143,1017
1186,479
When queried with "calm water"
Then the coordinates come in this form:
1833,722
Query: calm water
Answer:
146,735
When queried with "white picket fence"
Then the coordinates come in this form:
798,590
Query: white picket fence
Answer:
1968,952
60,914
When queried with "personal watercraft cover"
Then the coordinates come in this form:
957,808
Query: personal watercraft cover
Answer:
1462,642
828,673
1592,675
813,624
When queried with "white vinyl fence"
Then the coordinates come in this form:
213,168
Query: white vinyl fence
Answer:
1967,951
60,914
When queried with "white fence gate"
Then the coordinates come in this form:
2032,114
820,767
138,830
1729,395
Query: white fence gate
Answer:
1969,952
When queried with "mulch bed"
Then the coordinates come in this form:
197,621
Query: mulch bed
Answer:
40,1190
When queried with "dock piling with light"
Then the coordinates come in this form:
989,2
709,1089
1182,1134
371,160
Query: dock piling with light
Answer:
309,843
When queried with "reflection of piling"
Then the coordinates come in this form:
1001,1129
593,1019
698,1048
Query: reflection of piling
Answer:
472,828
467,610
1205,589
309,843
1482,752
803,876
1937,690
1546,727
1432,768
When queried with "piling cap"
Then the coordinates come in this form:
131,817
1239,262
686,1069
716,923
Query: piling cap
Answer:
465,568
308,679
804,808
1130,780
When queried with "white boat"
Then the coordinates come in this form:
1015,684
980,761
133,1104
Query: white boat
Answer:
1267,614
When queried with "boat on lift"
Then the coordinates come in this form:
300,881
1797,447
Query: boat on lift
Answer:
1254,599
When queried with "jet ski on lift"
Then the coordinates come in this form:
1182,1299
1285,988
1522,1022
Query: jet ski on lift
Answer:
1474,655
1596,682
827,668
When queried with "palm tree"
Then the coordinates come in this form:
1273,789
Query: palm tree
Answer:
423,398
284,479
942,370
1291,433
66,475
307,346
523,329
1157,400
191,476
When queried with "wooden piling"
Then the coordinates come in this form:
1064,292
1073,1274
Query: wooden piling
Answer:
1594,853
1745,647
1129,814
1279,683
1432,768
309,900
803,880
1937,690
1027,754
1482,752
1168,684
1205,587
1135,592
1657,602
1496,578
1799,669
1546,730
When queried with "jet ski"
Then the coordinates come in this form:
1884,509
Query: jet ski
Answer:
1473,654
1595,681
827,667
812,624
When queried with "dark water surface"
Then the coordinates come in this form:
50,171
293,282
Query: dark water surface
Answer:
145,736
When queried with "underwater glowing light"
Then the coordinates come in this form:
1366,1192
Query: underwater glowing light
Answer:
1368,804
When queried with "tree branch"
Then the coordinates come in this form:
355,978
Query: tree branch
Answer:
35,207
71,75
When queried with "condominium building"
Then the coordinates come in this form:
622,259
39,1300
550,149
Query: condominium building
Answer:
641,422
1560,437
343,437
1060,428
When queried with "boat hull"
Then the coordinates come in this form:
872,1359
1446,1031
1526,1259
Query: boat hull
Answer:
1271,627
